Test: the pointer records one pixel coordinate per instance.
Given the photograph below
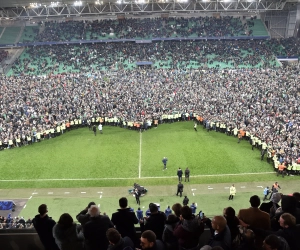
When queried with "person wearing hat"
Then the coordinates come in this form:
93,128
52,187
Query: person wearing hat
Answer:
83,217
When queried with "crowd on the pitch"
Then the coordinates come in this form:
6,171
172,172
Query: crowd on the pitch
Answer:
263,102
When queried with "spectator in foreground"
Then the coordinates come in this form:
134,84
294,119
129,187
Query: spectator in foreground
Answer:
170,240
95,230
149,241
188,231
43,225
220,233
155,222
67,234
83,217
116,242
124,220
273,242
255,217
289,230
232,221
176,209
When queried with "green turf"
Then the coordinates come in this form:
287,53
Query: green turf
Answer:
80,159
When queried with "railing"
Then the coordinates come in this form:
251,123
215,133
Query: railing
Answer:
135,40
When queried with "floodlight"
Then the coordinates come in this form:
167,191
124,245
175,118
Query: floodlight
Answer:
54,4
34,5
77,3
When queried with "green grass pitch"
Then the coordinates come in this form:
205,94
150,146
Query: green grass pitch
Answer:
118,157
79,161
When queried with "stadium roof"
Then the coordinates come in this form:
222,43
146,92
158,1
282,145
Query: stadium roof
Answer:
52,8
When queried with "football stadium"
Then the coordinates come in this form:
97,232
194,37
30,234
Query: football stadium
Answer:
149,124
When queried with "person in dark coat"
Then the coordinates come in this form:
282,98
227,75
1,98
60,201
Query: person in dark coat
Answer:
149,241
170,240
155,222
185,201
67,234
179,189
188,230
43,225
289,230
95,230
124,220
288,205
232,221
220,232
116,242
83,217
179,174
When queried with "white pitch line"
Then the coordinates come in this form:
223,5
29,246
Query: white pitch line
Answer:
50,192
30,197
260,186
83,192
193,194
210,188
24,206
100,196
67,192
140,156
123,178
243,187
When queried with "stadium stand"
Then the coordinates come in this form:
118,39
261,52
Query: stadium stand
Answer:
227,85
169,54
146,28
9,35
29,34
257,28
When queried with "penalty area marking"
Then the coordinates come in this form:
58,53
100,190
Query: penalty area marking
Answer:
123,178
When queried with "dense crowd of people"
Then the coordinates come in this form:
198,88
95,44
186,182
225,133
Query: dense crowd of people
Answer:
270,225
169,54
10,222
264,103
3,55
131,28
287,47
